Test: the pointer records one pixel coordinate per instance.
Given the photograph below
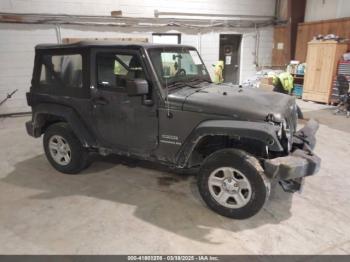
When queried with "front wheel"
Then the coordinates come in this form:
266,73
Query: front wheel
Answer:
232,183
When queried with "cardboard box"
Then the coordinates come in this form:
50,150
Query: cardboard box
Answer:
266,87
266,84
266,81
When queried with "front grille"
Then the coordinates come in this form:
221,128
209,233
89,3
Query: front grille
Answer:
293,119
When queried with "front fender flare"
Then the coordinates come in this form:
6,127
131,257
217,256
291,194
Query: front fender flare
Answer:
260,131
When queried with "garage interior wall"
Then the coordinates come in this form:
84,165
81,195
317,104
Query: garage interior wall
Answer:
317,10
322,17
17,41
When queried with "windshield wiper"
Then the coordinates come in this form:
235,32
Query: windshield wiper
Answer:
183,83
195,85
177,84
200,79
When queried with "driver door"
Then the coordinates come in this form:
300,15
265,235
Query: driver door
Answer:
122,122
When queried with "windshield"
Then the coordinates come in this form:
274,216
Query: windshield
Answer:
177,64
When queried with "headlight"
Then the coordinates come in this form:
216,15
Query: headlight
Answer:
284,131
275,120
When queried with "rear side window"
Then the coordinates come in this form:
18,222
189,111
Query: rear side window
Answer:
61,71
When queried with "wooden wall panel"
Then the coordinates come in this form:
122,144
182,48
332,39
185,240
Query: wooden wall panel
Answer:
292,12
281,57
297,16
306,31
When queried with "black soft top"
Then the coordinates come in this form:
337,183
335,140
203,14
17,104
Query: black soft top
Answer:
106,43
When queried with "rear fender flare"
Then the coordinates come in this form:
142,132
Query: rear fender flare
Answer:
69,115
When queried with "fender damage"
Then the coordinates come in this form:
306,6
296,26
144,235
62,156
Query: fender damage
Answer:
300,163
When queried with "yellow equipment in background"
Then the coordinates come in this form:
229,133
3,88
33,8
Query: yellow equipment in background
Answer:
285,80
218,69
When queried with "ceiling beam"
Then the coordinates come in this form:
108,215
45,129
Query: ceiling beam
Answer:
136,22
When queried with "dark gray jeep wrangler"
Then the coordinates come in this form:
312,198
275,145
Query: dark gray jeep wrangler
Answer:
157,103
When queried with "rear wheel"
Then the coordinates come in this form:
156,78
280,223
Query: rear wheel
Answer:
232,183
63,149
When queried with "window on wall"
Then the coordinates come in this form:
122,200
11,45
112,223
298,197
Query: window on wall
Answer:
159,38
61,70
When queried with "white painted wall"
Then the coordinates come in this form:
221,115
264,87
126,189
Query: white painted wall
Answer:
16,61
138,7
343,9
17,41
326,9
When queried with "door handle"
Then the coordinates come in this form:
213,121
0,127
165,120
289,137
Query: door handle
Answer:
99,101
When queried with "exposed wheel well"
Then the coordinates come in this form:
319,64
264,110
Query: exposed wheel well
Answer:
211,143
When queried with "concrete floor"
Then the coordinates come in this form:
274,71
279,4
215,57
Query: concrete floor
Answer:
117,208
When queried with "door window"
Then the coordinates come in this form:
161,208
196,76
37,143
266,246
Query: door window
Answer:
114,69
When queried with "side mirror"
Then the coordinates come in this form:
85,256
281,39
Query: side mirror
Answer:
137,87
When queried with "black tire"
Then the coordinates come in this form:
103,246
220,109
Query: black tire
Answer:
79,156
247,165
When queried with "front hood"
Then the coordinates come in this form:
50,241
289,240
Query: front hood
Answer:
237,103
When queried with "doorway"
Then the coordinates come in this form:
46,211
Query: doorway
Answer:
230,49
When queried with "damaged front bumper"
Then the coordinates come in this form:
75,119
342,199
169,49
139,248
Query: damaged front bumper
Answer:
301,162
